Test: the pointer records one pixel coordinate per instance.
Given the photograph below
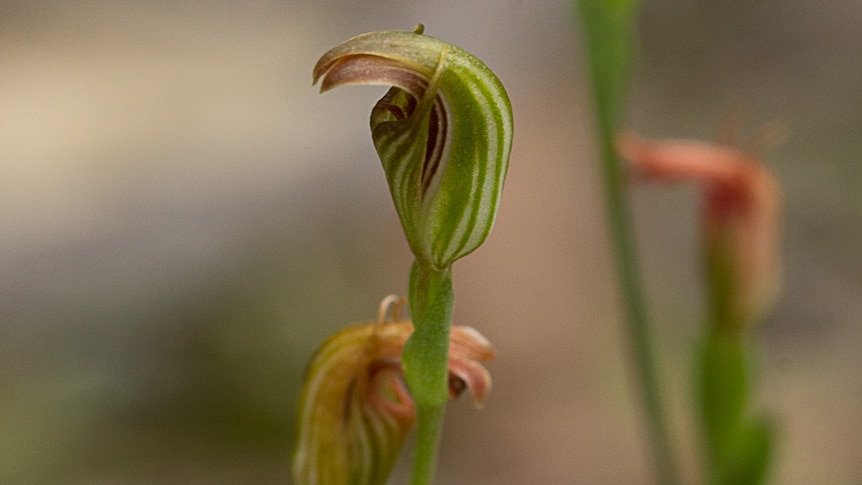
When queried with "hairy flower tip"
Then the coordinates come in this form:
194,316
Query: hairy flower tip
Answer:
355,411
741,217
443,133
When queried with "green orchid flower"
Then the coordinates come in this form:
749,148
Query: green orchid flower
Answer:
443,133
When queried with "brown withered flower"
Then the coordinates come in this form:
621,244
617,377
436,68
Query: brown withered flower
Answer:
355,410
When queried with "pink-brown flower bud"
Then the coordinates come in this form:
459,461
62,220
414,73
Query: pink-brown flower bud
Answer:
741,218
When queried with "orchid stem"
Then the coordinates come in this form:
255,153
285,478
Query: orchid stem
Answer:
642,348
607,29
430,424
425,361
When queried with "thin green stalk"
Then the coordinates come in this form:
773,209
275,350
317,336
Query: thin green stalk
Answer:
430,424
642,349
607,28
425,361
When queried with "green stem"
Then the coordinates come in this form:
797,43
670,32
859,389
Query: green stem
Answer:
425,360
638,325
607,26
430,423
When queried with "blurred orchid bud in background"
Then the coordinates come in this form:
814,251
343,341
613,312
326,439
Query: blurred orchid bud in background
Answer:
741,219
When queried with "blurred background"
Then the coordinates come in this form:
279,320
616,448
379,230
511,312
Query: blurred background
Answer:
183,219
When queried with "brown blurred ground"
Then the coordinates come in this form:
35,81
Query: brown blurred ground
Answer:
183,218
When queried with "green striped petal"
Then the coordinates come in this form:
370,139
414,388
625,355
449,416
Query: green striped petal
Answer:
354,412
443,133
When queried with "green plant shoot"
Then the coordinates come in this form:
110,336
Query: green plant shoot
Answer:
443,133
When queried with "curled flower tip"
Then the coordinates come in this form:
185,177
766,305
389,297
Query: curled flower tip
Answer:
467,350
443,133
741,218
355,410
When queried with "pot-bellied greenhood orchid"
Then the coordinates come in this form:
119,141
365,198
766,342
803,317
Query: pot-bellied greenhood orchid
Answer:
443,133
